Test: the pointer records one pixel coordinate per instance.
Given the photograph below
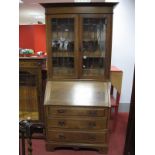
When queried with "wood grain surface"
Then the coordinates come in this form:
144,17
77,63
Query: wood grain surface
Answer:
77,93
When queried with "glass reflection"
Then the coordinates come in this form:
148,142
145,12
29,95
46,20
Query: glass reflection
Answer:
63,46
83,94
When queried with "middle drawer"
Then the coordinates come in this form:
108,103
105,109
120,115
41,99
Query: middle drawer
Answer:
77,123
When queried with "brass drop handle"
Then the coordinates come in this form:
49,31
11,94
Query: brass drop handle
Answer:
61,111
61,136
92,137
93,113
92,124
61,123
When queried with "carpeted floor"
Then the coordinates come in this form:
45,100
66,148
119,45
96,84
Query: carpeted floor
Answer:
116,143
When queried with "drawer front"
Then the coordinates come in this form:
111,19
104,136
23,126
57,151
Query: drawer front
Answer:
77,136
77,111
78,123
29,64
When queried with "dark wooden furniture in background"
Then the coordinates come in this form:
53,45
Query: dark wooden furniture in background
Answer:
26,131
31,88
79,39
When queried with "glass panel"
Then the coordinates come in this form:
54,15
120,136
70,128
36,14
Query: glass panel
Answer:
93,46
63,46
63,66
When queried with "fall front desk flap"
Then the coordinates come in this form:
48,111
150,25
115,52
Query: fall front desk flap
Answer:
77,93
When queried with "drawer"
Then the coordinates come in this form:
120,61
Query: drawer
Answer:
29,64
77,136
78,123
77,111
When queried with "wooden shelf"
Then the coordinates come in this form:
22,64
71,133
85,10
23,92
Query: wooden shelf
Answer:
92,72
63,71
63,54
96,54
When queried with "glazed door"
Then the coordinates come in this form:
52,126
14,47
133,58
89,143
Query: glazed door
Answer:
62,44
93,46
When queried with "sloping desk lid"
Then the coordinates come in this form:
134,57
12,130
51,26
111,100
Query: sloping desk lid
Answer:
77,93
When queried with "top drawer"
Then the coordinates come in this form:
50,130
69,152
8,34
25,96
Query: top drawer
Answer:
77,111
30,64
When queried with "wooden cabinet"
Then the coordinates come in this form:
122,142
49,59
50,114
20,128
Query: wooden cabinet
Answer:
116,76
77,98
30,89
79,40
74,119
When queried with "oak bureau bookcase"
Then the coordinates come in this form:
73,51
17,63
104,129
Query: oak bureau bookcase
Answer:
77,98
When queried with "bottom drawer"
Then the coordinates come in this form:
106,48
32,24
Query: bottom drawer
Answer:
77,136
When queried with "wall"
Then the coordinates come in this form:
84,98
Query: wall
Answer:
123,54
33,37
